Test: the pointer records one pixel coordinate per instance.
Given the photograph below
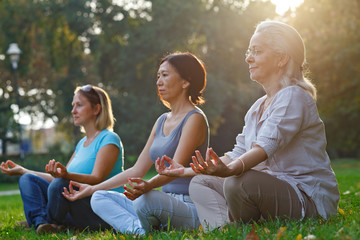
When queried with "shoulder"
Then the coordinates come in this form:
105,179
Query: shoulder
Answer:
257,103
294,93
296,102
197,115
109,137
162,117
109,134
196,120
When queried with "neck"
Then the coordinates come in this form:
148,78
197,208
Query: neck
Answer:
179,107
90,131
271,88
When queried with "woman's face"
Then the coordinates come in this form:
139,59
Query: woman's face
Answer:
82,110
169,83
263,61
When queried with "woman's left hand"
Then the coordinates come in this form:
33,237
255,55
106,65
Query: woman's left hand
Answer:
138,188
212,165
56,169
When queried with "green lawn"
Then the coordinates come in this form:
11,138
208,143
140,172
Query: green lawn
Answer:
343,226
8,186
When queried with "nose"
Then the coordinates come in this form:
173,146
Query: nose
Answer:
73,110
249,58
159,81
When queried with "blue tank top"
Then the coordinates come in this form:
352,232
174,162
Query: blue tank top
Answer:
166,145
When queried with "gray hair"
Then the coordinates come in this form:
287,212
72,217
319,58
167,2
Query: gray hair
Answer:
284,38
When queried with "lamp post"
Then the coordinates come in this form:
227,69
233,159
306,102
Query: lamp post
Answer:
14,54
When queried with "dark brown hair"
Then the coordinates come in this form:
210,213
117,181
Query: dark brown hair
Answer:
191,69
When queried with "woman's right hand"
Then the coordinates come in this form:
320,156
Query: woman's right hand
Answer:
174,170
212,165
85,190
12,169
56,169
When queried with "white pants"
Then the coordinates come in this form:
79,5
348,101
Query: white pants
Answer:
153,210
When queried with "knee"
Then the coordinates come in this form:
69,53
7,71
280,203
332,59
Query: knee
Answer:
232,185
29,181
141,204
95,201
58,184
56,187
149,203
245,184
26,179
198,185
199,181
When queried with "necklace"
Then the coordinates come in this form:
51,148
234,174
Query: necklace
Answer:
92,138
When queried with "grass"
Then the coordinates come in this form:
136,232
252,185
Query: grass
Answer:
8,186
343,226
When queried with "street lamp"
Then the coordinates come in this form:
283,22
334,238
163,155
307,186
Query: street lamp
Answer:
14,54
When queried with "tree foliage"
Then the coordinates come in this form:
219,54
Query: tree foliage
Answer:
117,45
331,32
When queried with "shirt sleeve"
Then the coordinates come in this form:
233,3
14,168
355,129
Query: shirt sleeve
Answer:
239,147
285,119
110,138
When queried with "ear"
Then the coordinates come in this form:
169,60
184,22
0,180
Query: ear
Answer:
97,109
186,84
284,59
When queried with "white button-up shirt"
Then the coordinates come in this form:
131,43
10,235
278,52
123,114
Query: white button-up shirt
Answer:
293,136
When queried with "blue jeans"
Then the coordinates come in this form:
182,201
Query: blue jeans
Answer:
44,203
33,190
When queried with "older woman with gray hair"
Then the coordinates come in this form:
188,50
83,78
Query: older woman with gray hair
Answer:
279,166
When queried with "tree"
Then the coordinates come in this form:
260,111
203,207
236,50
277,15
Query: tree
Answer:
330,29
8,126
48,32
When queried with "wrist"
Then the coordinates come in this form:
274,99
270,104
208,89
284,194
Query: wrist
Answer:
23,171
150,185
233,170
93,189
66,175
237,167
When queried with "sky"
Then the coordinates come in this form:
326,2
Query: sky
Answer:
283,5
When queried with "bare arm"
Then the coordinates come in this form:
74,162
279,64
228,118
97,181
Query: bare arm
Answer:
139,170
177,170
213,165
250,159
193,135
106,159
12,169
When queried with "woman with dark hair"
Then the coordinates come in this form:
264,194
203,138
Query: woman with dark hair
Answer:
181,79
98,156
279,166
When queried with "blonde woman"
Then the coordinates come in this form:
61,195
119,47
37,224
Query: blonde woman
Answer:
97,157
181,79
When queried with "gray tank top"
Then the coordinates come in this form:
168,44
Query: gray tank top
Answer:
166,145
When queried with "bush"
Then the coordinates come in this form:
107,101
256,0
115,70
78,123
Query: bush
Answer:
33,161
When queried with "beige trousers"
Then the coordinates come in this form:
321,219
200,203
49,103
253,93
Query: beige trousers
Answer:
252,196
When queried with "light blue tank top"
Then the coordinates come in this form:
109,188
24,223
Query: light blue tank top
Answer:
166,145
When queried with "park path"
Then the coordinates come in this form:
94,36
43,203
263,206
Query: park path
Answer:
12,192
